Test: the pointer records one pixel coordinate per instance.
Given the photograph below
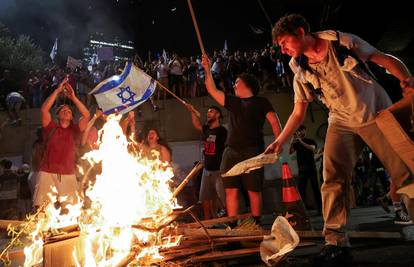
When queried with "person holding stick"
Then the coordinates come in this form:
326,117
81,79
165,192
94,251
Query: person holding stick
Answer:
245,138
247,113
214,138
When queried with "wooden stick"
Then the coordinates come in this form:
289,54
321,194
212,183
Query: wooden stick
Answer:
302,234
200,41
13,254
24,228
128,259
191,242
185,252
171,93
69,228
222,232
58,238
353,234
217,221
178,98
187,179
167,221
221,255
203,227
257,238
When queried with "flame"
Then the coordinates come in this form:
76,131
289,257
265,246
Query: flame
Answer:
132,190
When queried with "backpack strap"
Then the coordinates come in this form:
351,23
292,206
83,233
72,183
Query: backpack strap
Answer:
342,52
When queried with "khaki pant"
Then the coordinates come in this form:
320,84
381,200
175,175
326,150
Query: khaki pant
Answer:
212,187
66,185
343,145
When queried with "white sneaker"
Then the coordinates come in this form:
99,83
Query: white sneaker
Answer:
402,218
221,213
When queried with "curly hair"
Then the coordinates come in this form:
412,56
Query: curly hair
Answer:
288,24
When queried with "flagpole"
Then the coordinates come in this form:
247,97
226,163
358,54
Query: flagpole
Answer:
175,96
265,14
200,41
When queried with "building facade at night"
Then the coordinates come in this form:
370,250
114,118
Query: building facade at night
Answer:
101,47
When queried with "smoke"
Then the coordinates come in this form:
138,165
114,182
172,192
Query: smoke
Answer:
72,22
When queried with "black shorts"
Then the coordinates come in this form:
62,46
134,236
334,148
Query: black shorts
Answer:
252,181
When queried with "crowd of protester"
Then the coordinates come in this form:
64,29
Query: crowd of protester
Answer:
185,77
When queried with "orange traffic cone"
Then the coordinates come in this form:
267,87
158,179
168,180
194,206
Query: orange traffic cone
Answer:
294,211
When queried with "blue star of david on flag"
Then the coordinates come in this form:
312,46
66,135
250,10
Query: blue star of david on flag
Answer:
126,95
122,93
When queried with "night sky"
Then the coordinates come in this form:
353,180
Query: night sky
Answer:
157,24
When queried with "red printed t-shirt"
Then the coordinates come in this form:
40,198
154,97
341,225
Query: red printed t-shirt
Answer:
59,155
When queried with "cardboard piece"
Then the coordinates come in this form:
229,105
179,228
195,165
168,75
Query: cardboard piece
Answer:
60,253
396,125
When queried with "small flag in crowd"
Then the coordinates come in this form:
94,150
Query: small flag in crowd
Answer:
164,55
94,60
53,53
225,48
122,93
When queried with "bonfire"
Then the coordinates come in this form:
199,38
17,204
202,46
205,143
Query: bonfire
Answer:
120,217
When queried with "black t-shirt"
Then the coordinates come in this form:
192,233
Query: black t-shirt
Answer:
214,143
247,117
305,157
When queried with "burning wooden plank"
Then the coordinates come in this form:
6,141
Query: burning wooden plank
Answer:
5,223
223,232
224,255
197,168
216,221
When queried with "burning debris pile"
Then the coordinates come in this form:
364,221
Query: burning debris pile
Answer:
121,211
127,215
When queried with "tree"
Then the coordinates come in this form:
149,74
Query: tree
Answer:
20,54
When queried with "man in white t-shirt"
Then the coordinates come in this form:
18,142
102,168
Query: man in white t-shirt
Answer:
176,66
162,70
353,98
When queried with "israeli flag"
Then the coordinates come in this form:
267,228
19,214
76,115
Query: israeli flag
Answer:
53,52
122,93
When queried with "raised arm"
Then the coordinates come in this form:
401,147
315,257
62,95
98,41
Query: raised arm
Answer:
129,121
46,117
195,119
85,134
216,94
84,119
